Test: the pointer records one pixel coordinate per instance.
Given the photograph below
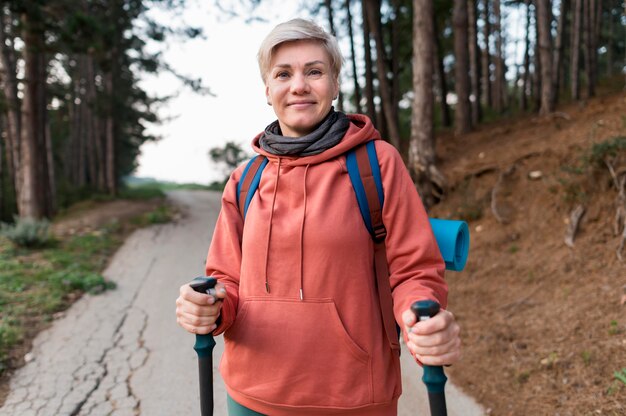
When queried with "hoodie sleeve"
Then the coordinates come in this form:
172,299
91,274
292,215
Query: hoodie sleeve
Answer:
416,268
224,257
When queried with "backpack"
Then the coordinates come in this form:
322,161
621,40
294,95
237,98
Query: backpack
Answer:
364,171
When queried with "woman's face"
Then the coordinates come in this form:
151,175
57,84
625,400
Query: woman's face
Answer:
300,86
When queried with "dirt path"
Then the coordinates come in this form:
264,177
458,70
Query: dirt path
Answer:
122,353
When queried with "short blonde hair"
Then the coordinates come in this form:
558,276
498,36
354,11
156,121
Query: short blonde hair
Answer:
294,30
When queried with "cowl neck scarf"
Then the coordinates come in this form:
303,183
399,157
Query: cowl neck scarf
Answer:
329,132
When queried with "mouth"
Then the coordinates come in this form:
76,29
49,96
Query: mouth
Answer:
300,104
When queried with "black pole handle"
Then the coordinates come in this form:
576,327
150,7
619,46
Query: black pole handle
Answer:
204,347
433,377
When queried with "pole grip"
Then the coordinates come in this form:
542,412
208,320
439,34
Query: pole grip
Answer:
434,377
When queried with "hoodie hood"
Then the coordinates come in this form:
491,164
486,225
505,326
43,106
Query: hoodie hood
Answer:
361,130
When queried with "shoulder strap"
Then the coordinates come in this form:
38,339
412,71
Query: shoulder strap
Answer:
249,182
364,172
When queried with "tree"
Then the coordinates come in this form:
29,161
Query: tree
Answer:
462,117
544,18
427,177
229,156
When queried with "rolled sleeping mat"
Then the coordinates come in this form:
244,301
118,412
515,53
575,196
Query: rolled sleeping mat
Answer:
453,240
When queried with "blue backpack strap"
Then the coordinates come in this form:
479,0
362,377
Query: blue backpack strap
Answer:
364,172
249,183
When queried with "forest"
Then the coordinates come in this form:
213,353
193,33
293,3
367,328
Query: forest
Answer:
73,117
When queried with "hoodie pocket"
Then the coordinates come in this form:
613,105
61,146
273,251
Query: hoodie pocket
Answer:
296,353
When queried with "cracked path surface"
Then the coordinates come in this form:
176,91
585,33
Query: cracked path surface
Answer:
121,353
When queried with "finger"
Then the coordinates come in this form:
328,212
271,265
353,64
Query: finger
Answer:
196,321
437,338
197,310
437,323
409,319
190,295
220,291
200,330
435,350
445,359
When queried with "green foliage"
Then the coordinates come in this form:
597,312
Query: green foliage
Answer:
27,232
621,375
230,155
610,148
37,282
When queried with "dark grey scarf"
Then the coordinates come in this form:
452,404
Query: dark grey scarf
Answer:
330,132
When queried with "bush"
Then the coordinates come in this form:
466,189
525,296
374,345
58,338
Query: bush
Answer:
27,232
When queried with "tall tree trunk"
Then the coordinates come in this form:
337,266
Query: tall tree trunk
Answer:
536,96
331,24
30,201
13,118
111,177
526,76
369,74
440,78
462,118
575,49
422,158
474,60
498,87
558,51
544,18
486,57
373,15
610,40
587,46
355,75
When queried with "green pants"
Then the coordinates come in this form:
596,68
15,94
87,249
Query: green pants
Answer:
235,409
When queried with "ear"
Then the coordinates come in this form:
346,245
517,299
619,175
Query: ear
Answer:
267,94
336,89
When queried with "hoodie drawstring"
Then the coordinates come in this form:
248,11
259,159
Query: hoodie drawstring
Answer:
306,170
269,232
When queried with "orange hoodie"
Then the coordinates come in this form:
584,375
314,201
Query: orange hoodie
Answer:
302,323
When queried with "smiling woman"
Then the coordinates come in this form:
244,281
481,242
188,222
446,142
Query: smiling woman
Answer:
296,298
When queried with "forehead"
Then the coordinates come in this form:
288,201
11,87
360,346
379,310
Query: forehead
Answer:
300,52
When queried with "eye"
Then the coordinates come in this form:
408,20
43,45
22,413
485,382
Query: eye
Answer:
315,72
282,75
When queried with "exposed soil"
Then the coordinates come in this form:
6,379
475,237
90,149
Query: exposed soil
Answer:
544,325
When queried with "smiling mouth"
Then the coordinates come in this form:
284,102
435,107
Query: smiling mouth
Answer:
300,103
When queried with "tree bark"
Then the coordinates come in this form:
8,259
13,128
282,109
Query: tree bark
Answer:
110,136
30,202
486,57
587,46
331,24
462,116
575,50
429,180
13,118
355,75
498,87
526,76
440,75
558,51
373,16
544,17
474,60
369,75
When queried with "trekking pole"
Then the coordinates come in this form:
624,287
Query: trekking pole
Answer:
433,377
204,347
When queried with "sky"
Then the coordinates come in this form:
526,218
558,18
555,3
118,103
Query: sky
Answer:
226,62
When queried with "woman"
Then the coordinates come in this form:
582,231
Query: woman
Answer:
296,301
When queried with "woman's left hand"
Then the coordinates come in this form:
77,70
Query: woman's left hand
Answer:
435,341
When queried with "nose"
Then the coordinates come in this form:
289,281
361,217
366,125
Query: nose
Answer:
299,84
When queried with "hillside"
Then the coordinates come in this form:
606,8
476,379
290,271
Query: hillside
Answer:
544,325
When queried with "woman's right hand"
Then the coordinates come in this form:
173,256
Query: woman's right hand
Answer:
197,312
